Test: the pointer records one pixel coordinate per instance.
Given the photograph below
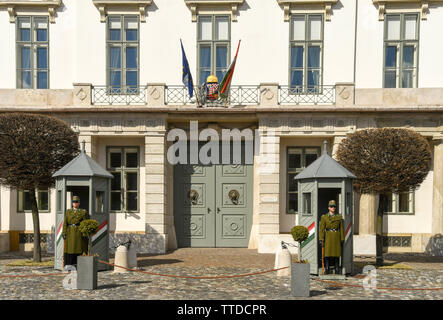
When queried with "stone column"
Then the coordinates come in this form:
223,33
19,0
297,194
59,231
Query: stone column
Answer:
437,199
336,143
155,166
269,195
365,241
434,244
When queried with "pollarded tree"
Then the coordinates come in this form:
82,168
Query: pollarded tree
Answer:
33,148
385,160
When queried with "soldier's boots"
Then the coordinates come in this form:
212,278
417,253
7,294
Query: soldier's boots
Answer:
337,266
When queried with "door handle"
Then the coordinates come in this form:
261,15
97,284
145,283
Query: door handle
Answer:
218,210
209,210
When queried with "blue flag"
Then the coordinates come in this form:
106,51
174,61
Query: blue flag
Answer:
186,73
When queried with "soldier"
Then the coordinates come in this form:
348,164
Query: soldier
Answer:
75,244
332,237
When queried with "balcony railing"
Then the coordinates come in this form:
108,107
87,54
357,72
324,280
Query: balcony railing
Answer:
316,95
104,95
238,95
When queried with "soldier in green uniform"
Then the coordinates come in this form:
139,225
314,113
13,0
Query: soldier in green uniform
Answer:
332,237
75,243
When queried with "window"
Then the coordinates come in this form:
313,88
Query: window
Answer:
401,51
306,47
213,44
24,201
306,203
32,52
298,158
123,54
399,203
123,164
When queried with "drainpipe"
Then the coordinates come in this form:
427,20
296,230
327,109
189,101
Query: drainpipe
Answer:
355,48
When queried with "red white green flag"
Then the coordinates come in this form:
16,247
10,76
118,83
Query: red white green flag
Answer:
225,84
311,234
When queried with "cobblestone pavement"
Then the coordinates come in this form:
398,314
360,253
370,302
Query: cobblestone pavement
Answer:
209,262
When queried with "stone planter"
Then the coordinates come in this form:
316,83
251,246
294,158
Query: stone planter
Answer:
300,276
86,272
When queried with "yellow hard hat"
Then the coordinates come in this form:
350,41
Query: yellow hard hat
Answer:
212,78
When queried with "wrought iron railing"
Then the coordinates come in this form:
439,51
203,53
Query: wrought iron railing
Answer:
315,95
238,95
104,95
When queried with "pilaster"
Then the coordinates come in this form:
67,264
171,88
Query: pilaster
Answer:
156,190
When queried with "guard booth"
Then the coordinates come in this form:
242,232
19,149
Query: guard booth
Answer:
85,178
325,179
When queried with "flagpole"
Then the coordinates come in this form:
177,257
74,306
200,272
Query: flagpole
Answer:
196,95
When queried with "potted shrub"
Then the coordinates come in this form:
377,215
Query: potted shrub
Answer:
300,269
87,264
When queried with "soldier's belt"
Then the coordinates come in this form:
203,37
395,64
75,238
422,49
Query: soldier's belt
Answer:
335,230
74,225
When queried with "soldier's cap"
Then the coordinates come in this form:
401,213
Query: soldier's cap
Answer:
75,198
332,203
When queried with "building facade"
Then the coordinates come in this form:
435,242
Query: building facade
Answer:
307,71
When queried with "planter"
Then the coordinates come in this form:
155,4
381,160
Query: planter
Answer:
86,272
300,276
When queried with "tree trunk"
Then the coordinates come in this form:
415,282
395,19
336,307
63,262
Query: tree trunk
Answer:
382,205
36,225
299,252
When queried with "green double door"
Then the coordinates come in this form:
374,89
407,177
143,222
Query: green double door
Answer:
213,205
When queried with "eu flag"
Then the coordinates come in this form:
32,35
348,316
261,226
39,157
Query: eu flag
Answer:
186,75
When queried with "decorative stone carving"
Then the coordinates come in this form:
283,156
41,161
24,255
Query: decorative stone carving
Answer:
229,5
289,4
104,6
43,5
422,5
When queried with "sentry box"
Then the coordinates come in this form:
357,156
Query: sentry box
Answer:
325,179
85,178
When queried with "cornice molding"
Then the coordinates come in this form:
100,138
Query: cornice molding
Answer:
422,4
233,5
104,5
290,4
47,5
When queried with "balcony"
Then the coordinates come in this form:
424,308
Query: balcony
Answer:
103,95
243,95
269,97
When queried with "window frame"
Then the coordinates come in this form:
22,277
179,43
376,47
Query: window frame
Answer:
400,43
305,44
30,210
123,170
296,171
213,44
394,199
33,44
123,44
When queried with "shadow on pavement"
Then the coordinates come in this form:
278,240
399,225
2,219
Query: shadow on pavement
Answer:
109,286
155,262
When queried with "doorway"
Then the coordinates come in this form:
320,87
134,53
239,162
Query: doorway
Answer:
213,204
324,196
80,191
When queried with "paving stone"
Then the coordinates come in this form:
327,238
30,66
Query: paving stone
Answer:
135,285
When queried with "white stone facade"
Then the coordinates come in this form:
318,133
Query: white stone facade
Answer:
353,57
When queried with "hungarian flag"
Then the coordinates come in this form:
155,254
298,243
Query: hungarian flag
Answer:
225,84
